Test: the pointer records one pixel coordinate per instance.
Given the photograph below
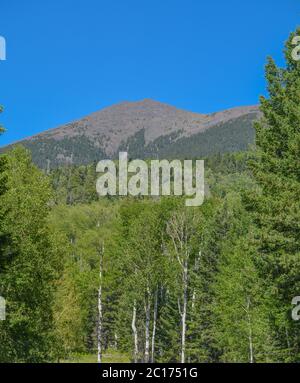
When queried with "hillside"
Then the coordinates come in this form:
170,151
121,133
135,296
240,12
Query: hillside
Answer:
146,129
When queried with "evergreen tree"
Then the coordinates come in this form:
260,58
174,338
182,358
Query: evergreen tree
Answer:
276,207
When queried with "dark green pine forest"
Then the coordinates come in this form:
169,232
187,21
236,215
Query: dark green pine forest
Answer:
150,280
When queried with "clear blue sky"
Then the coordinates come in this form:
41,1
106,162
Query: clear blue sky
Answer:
68,58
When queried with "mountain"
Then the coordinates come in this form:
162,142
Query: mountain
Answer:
146,129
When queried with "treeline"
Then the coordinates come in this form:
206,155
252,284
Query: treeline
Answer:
151,278
76,184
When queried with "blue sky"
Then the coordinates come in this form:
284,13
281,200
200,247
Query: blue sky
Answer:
68,58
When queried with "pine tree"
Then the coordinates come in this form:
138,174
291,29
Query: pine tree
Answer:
276,207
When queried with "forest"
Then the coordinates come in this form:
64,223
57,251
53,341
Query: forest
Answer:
141,279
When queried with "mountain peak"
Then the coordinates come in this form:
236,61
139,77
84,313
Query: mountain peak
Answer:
149,101
145,128
146,104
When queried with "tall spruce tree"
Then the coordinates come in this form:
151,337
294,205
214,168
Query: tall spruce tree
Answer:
276,207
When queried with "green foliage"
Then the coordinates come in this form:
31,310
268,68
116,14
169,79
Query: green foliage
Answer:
74,184
240,305
207,284
85,228
30,259
276,209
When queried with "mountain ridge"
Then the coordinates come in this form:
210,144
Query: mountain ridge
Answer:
144,128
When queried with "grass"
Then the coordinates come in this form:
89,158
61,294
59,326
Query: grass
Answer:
111,356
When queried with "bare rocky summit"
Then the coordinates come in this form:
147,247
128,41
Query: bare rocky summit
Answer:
145,128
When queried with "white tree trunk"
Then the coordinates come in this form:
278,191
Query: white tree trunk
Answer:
197,263
116,341
100,313
193,299
154,327
135,334
99,335
250,331
181,230
184,311
147,327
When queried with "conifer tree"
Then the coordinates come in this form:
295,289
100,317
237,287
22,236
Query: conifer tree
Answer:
276,208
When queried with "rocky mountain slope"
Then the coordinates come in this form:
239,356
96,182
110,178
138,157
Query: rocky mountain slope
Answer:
146,129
